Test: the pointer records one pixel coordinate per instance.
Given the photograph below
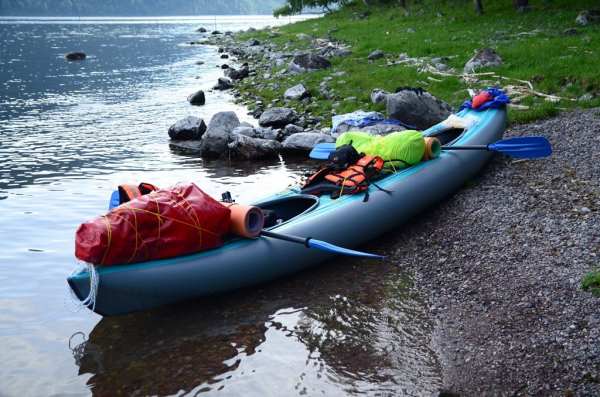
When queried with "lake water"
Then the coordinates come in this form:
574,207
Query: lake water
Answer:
69,134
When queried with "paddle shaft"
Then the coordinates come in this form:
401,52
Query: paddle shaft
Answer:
286,237
466,147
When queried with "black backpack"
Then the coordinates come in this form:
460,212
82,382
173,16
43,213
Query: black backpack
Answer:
343,157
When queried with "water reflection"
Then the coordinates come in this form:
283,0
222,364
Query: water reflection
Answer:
325,331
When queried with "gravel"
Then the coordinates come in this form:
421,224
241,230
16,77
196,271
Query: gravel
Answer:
502,261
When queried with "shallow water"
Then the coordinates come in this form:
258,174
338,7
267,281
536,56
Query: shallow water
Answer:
69,134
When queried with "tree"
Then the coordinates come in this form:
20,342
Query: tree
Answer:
478,6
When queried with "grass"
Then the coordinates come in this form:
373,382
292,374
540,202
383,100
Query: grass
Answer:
532,44
591,282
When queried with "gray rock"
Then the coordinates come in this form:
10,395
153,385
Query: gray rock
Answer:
215,32
252,43
201,30
296,92
224,56
197,99
267,133
246,148
335,51
305,141
485,57
307,62
587,17
571,32
277,117
377,54
245,130
237,74
188,146
75,56
217,135
303,36
290,129
378,95
199,62
223,84
416,107
188,128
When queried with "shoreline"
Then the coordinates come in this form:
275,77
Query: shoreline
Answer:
510,315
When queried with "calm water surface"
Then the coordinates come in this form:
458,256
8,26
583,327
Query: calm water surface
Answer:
71,132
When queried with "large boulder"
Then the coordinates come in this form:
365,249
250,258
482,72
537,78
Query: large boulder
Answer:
485,57
416,107
378,96
217,135
197,98
267,133
75,56
188,128
587,17
377,54
237,74
277,117
223,84
305,141
191,147
245,130
290,129
296,92
307,62
246,148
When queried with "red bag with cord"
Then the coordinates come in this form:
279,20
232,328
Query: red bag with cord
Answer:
163,224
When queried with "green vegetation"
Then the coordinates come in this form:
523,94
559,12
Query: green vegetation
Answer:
591,282
534,46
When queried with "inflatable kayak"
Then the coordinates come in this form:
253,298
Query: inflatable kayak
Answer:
245,262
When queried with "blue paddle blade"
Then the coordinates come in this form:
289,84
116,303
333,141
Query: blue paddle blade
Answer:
324,246
114,200
528,147
321,151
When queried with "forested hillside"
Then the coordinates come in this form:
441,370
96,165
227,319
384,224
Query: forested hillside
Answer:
135,7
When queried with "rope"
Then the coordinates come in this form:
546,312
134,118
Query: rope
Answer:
90,300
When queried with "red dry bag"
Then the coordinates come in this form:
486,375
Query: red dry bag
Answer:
163,224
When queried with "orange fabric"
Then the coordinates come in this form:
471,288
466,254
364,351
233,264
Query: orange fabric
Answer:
246,220
481,98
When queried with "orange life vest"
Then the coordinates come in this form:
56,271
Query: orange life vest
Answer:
129,192
354,179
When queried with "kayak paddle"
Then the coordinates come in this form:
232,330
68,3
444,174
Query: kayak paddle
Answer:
320,245
528,147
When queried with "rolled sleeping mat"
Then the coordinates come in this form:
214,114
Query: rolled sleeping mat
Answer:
246,221
433,148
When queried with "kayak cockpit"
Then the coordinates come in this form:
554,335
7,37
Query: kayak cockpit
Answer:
447,136
284,209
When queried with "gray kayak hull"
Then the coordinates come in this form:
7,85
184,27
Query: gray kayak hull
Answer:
243,263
